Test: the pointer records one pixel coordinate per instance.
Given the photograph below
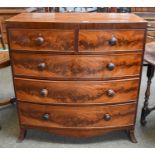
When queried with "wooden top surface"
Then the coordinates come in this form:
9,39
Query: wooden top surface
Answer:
77,18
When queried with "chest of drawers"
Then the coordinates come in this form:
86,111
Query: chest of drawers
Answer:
76,74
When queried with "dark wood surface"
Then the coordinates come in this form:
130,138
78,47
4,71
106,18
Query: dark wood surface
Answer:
76,91
42,39
143,10
95,59
63,40
75,132
76,117
90,40
63,67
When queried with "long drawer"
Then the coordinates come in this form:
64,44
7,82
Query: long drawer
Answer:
76,116
76,66
41,39
102,40
76,91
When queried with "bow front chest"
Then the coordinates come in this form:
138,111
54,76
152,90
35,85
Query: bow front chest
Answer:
76,74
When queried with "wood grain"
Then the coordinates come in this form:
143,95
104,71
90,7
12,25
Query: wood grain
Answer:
76,66
73,116
61,79
90,40
73,92
77,18
55,40
4,59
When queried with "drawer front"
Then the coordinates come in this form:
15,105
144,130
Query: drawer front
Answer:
110,40
41,39
76,116
76,66
76,91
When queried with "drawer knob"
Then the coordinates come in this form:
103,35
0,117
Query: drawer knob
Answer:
107,117
111,66
45,117
39,40
41,66
110,93
113,41
44,92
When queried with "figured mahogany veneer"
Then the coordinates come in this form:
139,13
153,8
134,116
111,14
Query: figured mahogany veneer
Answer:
48,66
81,92
58,40
76,117
42,39
77,74
90,40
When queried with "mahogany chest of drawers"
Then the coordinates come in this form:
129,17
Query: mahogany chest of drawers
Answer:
77,74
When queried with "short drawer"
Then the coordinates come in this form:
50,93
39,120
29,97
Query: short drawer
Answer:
76,66
103,40
73,92
41,39
76,116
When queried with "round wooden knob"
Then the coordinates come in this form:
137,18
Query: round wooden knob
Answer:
45,117
110,93
111,66
113,41
41,66
44,92
107,117
39,40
